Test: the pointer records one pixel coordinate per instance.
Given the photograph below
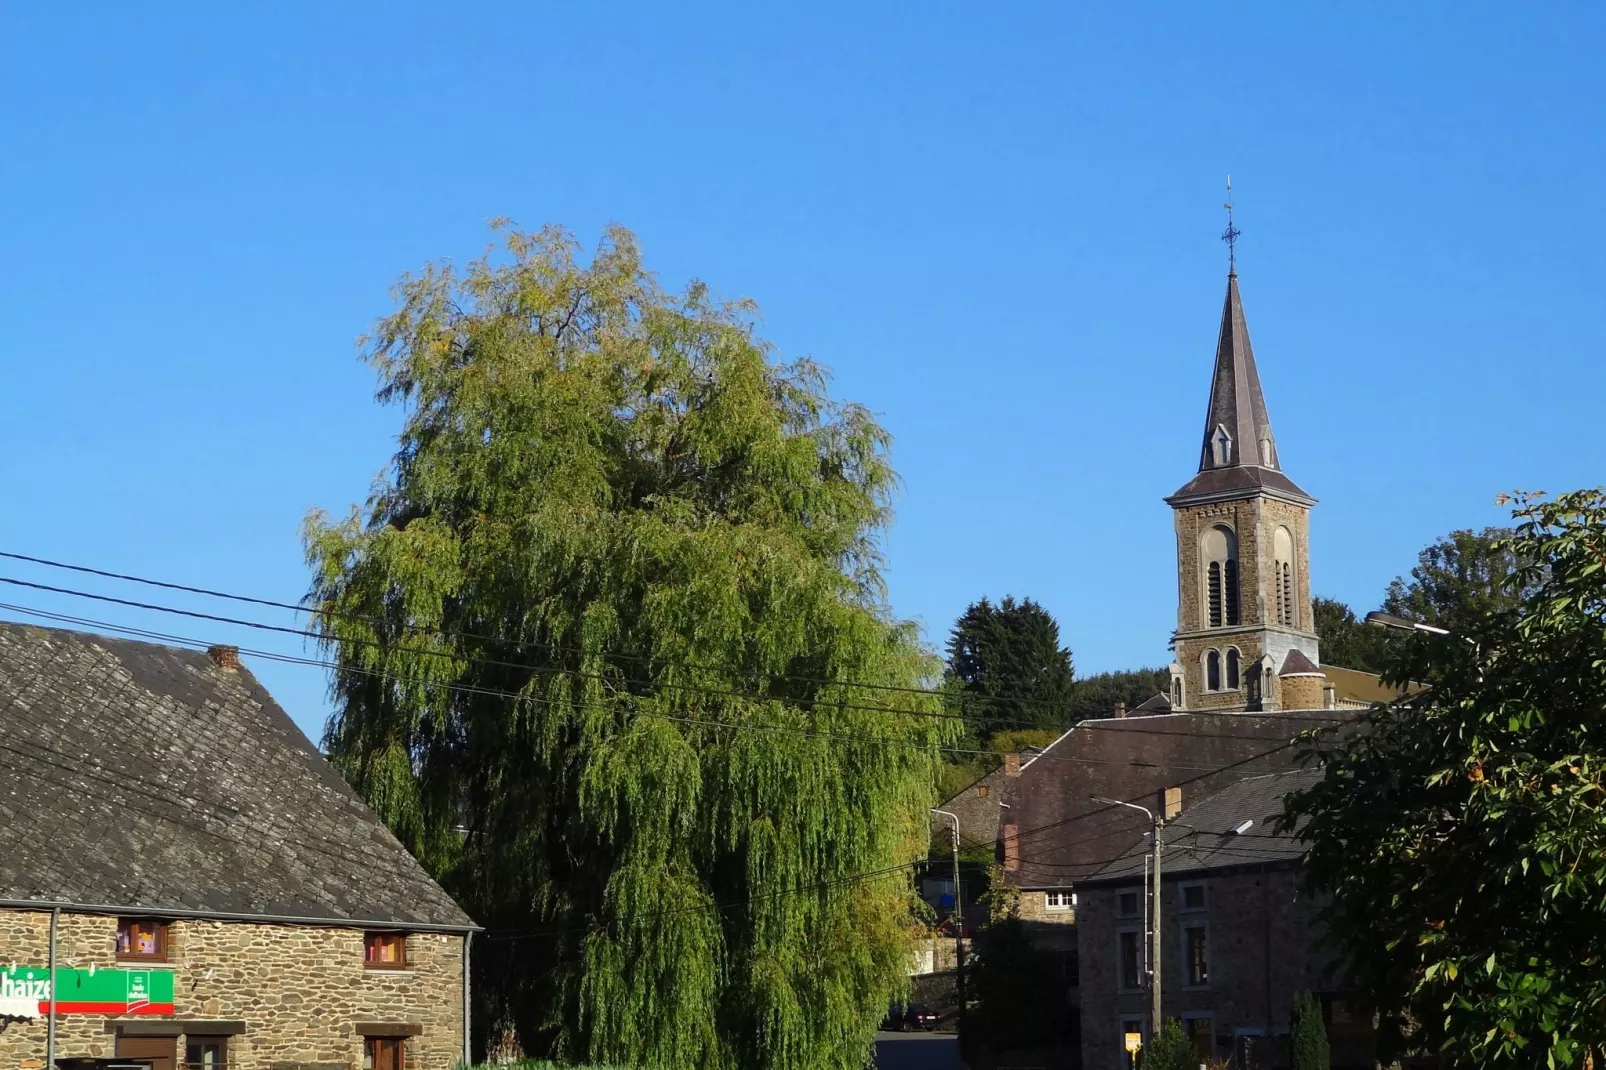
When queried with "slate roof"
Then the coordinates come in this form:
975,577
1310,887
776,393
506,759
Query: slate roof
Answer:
148,778
1202,837
1238,405
1297,662
1065,837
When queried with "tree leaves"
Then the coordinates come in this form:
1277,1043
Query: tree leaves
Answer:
612,613
1460,840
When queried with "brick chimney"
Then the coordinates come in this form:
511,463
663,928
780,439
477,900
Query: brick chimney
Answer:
1120,709
1012,764
226,658
1011,833
1171,802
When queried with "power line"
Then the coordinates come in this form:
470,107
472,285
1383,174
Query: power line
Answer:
582,705
554,647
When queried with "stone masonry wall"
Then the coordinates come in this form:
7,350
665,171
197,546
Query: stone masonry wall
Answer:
1261,941
300,990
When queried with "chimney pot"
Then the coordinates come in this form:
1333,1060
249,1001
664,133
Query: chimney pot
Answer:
1120,709
1012,764
226,658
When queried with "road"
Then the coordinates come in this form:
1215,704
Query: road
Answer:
917,1051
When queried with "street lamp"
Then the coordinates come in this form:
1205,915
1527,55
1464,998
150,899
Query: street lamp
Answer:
1155,940
959,920
1379,619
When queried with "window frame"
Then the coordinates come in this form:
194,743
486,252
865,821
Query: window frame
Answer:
161,932
1234,662
1137,903
1199,925
370,1051
205,1040
1182,897
1208,1017
1212,660
376,937
1136,932
1067,901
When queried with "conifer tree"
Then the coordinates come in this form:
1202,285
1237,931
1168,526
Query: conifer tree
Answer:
1010,667
1309,1034
615,662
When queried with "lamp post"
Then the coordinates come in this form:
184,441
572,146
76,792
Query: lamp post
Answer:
1379,619
959,920
1156,1019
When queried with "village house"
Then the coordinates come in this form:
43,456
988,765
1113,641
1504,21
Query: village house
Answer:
1238,942
208,891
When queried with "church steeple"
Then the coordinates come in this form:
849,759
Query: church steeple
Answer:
1245,628
1237,452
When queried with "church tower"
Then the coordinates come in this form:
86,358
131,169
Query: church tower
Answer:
1245,639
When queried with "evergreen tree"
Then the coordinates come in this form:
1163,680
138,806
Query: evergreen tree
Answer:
1348,641
617,609
1010,668
1309,1034
1096,696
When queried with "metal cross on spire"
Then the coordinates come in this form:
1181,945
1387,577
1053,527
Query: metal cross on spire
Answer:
1230,235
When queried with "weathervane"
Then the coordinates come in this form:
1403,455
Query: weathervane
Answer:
1230,235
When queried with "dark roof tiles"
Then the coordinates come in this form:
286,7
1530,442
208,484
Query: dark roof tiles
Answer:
146,777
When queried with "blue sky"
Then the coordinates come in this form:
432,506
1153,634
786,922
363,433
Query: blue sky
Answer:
996,223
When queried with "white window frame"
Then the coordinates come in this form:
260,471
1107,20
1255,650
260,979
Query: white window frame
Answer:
1067,901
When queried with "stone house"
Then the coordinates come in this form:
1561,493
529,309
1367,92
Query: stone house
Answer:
1238,942
185,881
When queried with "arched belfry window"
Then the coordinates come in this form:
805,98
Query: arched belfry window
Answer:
1213,670
1282,578
1232,668
1220,555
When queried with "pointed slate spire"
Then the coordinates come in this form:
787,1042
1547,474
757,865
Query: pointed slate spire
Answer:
1238,452
1237,430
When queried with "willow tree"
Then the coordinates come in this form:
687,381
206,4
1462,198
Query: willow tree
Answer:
614,659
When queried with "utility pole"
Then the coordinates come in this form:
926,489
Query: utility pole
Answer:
1156,1011
959,920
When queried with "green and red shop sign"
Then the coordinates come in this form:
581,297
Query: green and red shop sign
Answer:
89,991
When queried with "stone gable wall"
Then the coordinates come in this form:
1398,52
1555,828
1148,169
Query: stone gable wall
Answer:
300,990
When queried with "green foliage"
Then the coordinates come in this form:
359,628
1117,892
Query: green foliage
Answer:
1348,641
1462,837
1023,995
1171,1050
614,609
1310,1050
1096,696
1458,579
1010,667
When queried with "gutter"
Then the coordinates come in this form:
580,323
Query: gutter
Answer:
126,911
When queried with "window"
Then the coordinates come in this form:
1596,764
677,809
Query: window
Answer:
384,951
205,1053
1215,594
1129,951
1282,576
1196,954
1131,1040
1213,670
1059,900
1231,571
383,1053
1201,1034
1223,446
1232,668
1193,897
142,939
1219,552
1126,904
